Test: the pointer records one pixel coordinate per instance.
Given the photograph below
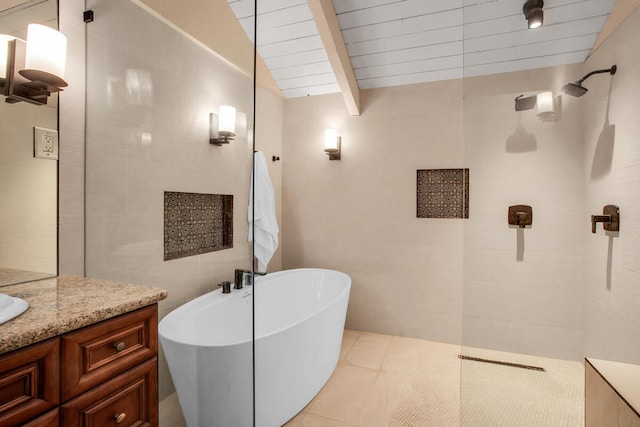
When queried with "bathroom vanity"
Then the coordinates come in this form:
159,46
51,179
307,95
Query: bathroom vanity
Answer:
84,353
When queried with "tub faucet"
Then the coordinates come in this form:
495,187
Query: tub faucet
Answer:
239,277
226,287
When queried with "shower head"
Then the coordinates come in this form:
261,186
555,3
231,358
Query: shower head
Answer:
576,89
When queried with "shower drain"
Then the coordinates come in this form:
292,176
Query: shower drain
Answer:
498,362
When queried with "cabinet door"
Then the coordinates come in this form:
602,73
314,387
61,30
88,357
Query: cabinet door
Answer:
96,353
29,382
130,399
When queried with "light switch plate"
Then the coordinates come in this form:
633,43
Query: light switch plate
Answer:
45,143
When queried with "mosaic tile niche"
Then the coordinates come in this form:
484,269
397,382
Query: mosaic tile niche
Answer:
196,223
443,193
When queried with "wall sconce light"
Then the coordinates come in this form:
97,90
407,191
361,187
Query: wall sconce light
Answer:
222,126
34,69
332,144
544,102
533,13
4,52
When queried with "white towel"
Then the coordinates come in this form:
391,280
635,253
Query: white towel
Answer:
264,223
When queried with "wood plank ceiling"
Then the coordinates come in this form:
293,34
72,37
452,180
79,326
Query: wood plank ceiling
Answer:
397,42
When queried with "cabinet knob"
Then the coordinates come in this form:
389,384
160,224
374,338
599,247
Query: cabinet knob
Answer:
119,347
120,417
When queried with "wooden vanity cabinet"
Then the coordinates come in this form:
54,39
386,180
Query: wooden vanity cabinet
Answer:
104,374
97,353
130,399
50,419
29,383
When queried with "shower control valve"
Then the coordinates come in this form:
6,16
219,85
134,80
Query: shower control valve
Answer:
610,219
520,215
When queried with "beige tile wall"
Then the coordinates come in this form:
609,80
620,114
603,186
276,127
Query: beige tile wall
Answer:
213,23
519,290
358,215
414,276
612,176
27,190
128,173
72,109
521,286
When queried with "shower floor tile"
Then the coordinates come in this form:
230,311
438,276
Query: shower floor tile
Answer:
396,381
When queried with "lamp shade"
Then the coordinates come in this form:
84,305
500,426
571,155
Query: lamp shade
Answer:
46,55
330,140
544,103
535,18
4,48
533,13
227,121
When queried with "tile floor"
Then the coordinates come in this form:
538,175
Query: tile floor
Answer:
384,380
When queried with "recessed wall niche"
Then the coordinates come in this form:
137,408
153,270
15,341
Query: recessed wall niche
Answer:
196,223
443,193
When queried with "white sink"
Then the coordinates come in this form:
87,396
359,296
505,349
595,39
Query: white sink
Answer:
11,307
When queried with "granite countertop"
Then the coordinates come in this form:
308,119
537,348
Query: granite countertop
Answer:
10,276
62,304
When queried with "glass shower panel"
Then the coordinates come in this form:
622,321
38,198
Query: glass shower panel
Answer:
165,205
522,323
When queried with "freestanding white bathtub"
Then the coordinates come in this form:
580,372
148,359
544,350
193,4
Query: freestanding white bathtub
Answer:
299,320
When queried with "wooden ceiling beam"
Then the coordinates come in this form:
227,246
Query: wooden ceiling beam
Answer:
326,20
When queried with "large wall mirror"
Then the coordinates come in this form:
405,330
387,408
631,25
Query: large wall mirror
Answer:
28,185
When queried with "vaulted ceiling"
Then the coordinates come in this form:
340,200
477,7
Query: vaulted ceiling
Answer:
397,42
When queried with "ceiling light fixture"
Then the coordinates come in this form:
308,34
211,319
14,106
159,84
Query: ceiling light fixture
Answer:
533,13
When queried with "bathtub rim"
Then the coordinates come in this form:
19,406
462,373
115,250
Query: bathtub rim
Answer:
249,290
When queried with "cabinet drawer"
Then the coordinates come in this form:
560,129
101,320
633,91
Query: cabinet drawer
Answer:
29,382
130,399
50,419
94,354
